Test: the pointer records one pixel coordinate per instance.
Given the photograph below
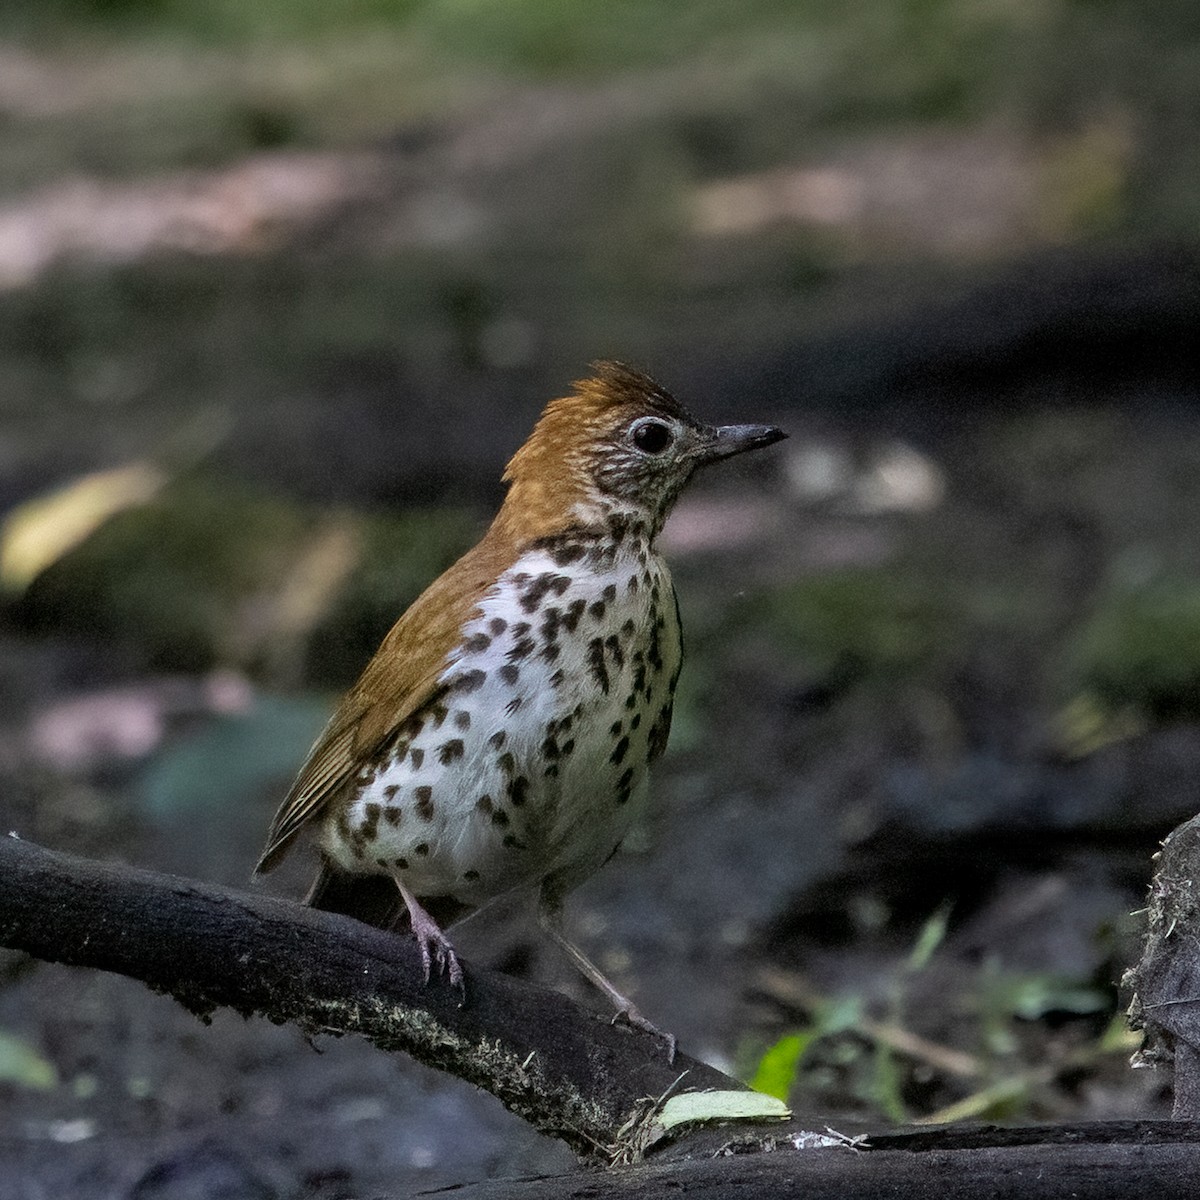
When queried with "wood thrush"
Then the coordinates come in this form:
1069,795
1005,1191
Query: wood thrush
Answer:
501,735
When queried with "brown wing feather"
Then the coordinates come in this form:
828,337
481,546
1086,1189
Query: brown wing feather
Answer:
400,679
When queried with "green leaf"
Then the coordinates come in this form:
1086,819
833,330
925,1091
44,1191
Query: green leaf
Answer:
693,1107
777,1068
932,934
24,1066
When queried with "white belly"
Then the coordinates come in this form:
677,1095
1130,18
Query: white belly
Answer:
533,761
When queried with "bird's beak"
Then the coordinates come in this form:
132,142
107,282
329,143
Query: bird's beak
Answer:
727,440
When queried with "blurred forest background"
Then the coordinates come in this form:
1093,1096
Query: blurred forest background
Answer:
282,285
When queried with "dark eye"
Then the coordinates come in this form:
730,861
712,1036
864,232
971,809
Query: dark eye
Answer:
652,437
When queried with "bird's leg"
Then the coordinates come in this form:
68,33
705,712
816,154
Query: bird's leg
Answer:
433,942
550,919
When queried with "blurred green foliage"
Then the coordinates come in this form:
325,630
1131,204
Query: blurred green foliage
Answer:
22,1065
1140,649
878,1060
872,623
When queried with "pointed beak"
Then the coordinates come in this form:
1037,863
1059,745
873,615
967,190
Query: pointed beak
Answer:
727,440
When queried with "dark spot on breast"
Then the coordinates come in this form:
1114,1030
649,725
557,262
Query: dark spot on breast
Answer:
462,719
449,751
557,679
609,593
389,792
392,814
521,649
402,863
626,778
477,643
633,583
383,862
497,739
509,674
628,629
500,818
418,757
567,553
560,584
521,628
518,790
596,665
550,651
424,798
438,712
512,842
567,747
515,703
598,609
616,727
551,620
550,749
497,625
506,762
369,829
468,681
573,613
470,876
613,645
660,732
536,592
631,700
551,772
484,804
635,720
619,751
421,849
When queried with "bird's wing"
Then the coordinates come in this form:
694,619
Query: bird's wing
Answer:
401,679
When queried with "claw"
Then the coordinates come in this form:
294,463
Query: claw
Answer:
433,943
630,1015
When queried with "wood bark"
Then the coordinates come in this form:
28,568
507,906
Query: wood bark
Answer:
570,1072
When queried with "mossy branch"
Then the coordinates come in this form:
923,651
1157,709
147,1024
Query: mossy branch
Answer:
570,1073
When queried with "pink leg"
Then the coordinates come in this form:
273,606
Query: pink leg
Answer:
551,921
433,942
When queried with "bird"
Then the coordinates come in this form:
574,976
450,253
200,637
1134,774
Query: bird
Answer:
500,737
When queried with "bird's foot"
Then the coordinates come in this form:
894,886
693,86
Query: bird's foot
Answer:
629,1014
435,946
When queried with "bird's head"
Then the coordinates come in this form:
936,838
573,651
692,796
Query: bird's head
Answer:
618,443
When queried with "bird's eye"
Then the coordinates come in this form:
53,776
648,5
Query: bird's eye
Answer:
651,437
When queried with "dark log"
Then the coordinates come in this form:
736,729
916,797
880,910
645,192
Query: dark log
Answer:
571,1073
1108,1161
